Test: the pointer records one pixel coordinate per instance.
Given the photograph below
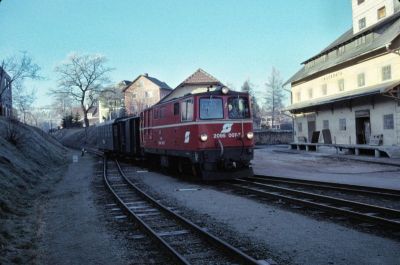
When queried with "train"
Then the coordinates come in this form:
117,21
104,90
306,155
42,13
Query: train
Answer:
208,134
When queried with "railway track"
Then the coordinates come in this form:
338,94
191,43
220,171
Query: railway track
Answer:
279,189
184,241
384,193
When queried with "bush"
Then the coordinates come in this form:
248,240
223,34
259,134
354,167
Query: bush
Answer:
13,135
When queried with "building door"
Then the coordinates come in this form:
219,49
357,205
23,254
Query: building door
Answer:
311,129
363,126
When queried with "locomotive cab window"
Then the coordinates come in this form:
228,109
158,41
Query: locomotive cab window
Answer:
176,108
187,110
238,108
211,108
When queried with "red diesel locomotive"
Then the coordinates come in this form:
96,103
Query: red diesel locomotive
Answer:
209,134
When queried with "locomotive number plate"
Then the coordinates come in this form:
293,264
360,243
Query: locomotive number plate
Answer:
226,135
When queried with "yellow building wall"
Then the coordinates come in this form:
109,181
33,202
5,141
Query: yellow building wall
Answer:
373,76
381,105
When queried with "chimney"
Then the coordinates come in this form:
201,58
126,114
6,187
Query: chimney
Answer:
146,74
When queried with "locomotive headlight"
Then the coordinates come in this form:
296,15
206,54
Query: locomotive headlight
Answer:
203,137
250,135
225,90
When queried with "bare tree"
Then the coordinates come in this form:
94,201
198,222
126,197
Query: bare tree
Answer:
249,88
24,100
19,68
274,94
61,105
82,78
112,99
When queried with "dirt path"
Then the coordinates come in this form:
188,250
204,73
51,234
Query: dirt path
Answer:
72,228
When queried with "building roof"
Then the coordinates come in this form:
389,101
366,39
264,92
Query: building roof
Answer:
355,93
200,77
383,32
159,83
124,83
154,80
200,81
3,73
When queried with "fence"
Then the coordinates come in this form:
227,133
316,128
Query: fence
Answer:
273,137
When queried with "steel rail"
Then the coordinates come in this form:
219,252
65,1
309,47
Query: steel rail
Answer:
382,192
364,212
213,240
179,258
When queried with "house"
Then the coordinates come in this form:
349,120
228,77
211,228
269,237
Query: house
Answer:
200,81
5,94
111,101
92,115
350,91
144,92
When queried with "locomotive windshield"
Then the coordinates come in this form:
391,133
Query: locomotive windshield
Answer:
211,108
238,108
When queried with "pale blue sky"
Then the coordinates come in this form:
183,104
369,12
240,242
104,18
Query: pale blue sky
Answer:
232,40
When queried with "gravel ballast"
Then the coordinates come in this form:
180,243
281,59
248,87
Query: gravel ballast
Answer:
291,237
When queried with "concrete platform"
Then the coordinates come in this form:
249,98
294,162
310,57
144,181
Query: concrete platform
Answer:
326,165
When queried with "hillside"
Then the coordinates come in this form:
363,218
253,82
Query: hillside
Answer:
77,137
31,162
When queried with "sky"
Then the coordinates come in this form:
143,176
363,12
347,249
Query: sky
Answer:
232,40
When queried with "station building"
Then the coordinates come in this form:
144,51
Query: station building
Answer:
350,91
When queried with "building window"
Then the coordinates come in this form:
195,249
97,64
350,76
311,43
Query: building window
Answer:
388,123
341,84
386,72
382,12
361,23
133,95
299,126
342,124
298,96
325,124
361,80
147,94
310,93
361,40
324,90
340,50
360,2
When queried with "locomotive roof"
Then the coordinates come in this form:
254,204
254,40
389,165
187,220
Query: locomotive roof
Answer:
216,92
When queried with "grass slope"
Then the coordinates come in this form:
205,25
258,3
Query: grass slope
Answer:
26,173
